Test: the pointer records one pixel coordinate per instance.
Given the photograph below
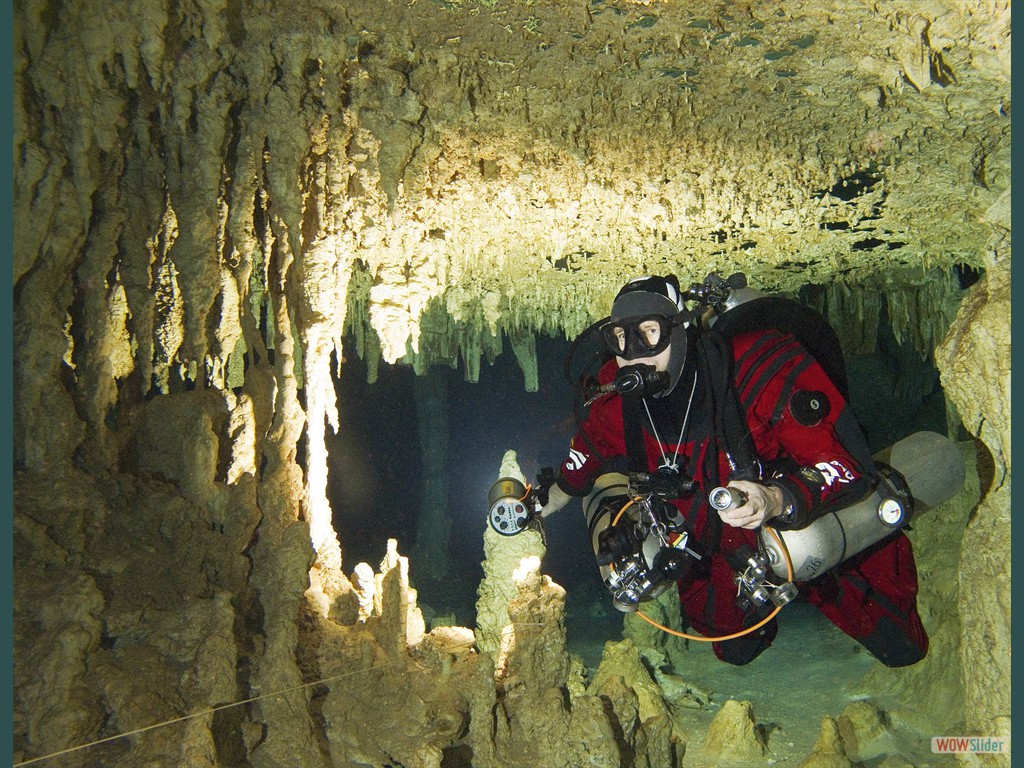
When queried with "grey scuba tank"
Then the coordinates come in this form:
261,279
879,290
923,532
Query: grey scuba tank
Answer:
934,471
736,296
930,464
635,576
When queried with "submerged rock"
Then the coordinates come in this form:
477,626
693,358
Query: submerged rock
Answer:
828,750
734,738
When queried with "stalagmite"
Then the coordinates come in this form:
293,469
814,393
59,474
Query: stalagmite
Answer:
828,751
503,555
734,738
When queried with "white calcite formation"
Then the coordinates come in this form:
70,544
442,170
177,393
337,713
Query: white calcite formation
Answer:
211,198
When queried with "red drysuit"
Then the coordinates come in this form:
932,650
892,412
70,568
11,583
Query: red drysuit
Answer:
871,597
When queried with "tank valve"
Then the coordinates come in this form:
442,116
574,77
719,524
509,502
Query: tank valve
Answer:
754,586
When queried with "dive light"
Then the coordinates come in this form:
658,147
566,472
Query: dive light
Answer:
511,506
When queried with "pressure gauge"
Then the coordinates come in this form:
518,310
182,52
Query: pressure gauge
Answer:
890,512
508,512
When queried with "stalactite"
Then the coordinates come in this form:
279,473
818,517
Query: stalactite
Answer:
854,313
919,308
285,556
525,349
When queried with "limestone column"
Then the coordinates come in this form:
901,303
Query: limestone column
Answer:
434,523
974,361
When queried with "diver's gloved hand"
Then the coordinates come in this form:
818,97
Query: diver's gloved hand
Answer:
763,502
617,540
557,498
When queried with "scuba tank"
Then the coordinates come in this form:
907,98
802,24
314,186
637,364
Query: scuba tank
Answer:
639,539
631,582
928,470
920,472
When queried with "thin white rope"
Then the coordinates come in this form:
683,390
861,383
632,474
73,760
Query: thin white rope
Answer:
674,465
213,710
219,708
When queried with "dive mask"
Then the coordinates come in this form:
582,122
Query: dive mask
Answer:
632,338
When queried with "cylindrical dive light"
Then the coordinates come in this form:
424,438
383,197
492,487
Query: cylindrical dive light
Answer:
934,471
507,506
722,498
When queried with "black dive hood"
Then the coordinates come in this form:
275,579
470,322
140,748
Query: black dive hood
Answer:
659,295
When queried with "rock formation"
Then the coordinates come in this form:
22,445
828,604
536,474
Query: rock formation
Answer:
210,197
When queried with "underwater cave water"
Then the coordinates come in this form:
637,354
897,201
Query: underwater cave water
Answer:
377,468
377,481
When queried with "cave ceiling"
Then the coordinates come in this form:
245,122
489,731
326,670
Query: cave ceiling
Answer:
430,173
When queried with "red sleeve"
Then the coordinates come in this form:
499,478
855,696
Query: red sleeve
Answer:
600,439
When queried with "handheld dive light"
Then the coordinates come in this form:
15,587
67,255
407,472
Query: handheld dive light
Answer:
722,498
510,506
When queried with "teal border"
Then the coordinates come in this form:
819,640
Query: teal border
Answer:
7,364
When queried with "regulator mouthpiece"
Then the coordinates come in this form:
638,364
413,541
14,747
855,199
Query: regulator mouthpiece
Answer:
640,380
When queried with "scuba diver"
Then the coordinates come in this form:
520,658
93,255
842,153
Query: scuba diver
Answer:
724,430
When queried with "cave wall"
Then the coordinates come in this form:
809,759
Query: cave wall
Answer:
210,195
